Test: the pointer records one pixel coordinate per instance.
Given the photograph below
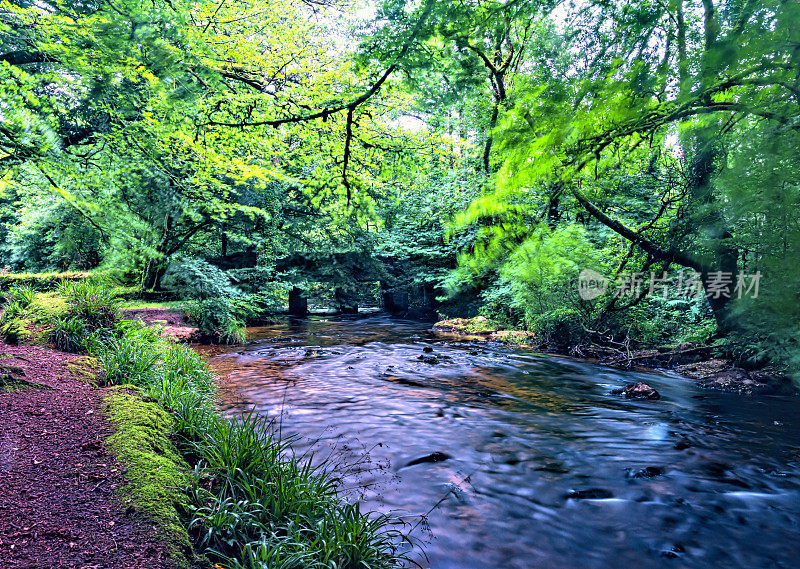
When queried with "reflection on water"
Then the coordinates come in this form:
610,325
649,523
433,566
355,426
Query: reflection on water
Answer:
530,459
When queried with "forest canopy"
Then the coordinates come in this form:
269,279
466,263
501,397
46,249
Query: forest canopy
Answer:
484,152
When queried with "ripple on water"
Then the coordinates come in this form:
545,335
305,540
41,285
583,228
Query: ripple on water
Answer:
542,463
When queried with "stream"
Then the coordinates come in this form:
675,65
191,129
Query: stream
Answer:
519,460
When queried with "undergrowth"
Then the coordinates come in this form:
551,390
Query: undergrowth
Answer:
247,501
251,502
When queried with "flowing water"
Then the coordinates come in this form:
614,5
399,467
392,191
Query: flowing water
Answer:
527,461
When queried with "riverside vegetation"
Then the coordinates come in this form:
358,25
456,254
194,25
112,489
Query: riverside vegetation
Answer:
228,488
482,154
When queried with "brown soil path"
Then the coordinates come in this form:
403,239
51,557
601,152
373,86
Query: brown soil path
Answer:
58,501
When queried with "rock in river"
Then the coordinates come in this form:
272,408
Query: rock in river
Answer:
433,457
589,494
646,472
638,390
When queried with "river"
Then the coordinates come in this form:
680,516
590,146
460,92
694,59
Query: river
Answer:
502,458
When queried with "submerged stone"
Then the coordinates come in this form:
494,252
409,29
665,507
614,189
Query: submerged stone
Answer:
433,457
638,390
589,494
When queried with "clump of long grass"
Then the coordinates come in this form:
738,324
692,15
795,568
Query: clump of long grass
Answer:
70,334
255,504
91,301
252,503
21,294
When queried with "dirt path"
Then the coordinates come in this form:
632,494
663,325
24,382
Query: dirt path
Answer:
58,504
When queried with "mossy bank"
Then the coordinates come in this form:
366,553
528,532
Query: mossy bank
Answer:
219,490
156,471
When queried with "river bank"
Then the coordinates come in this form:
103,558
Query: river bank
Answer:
699,362
61,499
226,490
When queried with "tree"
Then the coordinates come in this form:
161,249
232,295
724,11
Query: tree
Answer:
640,73
167,115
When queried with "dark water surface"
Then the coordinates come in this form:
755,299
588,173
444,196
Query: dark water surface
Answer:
525,435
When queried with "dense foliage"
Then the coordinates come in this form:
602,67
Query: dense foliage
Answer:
479,155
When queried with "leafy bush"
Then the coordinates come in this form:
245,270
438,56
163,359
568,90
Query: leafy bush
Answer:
191,279
218,318
22,294
561,329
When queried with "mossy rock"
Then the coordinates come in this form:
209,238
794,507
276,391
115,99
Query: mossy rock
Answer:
16,331
85,368
48,306
155,470
12,379
31,327
477,326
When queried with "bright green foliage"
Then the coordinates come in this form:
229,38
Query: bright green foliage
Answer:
93,310
219,318
39,281
21,294
164,139
197,279
163,126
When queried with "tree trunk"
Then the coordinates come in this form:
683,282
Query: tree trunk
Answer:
153,275
487,149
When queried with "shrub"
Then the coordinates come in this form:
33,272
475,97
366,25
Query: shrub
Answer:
21,294
561,328
197,279
93,302
218,319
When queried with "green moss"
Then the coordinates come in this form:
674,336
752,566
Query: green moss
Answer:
47,306
16,331
31,325
156,471
85,369
12,380
478,325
